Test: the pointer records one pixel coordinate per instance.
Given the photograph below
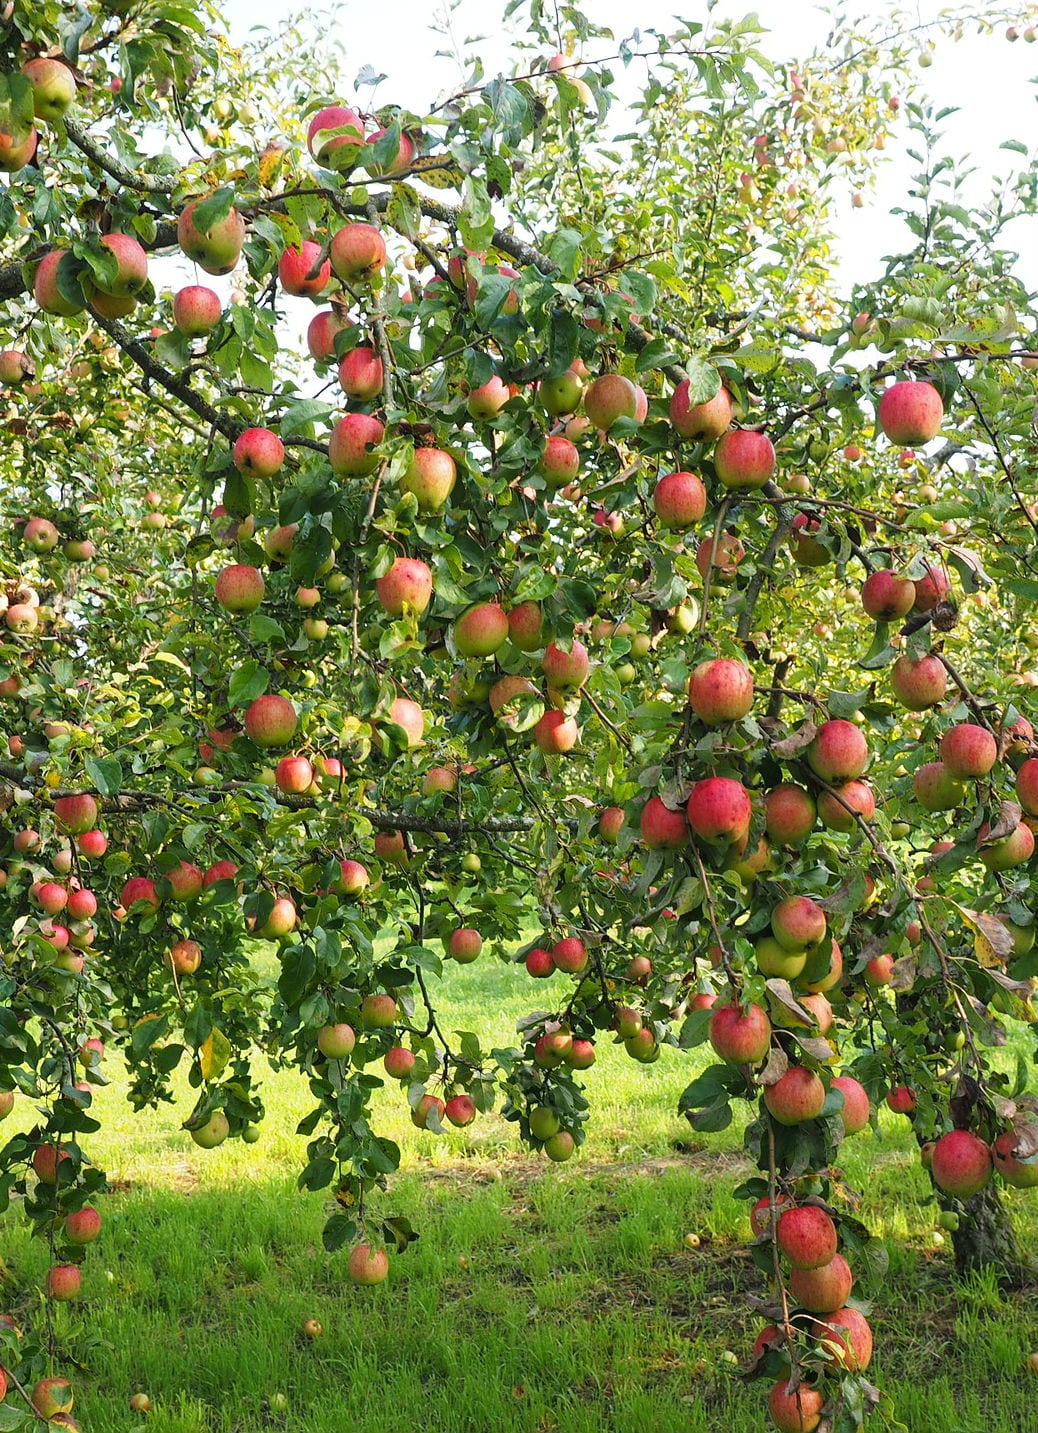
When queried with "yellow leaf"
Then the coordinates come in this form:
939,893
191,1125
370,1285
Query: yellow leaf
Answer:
985,951
213,1055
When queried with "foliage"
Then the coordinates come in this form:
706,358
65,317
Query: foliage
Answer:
530,248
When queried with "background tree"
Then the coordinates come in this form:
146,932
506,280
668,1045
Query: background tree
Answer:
559,596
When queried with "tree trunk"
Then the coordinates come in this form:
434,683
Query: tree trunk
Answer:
985,1237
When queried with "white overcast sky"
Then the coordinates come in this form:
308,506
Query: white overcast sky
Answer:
990,80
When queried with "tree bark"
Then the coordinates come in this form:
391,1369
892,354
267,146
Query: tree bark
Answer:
986,1239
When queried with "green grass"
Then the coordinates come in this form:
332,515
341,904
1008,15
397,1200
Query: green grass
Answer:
537,1298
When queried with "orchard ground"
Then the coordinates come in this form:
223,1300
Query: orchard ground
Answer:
538,1298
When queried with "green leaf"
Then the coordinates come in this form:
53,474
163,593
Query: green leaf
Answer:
476,218
213,1055
309,553
492,294
106,773
656,354
642,291
264,629
248,682
300,416
318,1174
704,381
564,250
210,211
404,212
298,969
339,1230
16,106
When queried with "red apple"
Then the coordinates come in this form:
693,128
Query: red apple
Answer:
663,829
807,1236
855,1112
83,1226
259,453
184,957
566,669
744,459
464,945
293,775
968,751
823,1290
702,422
352,448
795,1410
789,814
570,955
555,733
846,1336
738,1037
407,585
460,1111
560,461
335,137
679,500
360,373
539,963
63,1281
886,595
719,809
798,923
839,752
358,252
1014,1171
239,588
796,1097
271,721
196,310
919,684
481,630
399,1061
320,335
336,1042
911,413
838,809
216,249
720,691
301,271
961,1163
932,587
609,398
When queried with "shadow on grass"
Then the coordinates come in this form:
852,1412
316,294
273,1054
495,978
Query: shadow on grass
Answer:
531,1303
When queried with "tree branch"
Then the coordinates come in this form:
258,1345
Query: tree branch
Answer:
114,168
179,387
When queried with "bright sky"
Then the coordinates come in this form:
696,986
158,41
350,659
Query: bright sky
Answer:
990,80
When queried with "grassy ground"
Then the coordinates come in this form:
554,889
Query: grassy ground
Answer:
537,1298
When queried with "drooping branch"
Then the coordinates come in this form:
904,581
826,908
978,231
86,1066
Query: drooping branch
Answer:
178,387
130,802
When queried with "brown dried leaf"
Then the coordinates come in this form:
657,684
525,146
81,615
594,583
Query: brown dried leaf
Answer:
1006,982
795,744
903,974
675,793
778,1064
780,992
1008,820
1026,1131
990,927
817,1046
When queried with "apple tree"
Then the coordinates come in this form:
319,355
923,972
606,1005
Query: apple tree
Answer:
489,532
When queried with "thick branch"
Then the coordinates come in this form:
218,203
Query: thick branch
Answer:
129,178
